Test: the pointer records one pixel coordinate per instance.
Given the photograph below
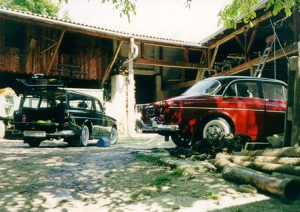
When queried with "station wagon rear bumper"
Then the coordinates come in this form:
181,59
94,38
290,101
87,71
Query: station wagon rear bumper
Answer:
43,135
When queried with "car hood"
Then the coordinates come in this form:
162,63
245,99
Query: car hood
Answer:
184,100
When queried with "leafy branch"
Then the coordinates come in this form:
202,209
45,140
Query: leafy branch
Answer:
246,9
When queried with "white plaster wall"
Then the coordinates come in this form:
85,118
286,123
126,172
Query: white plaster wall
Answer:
116,108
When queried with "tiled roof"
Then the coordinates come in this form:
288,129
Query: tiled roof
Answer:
55,22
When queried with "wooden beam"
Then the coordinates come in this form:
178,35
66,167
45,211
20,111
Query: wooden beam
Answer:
241,30
109,67
213,57
142,50
162,63
245,66
252,38
55,51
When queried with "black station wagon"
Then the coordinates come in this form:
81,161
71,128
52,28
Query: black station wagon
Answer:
49,111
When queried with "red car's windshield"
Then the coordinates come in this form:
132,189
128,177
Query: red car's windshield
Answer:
206,87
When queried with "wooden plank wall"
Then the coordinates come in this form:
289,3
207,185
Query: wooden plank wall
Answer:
91,57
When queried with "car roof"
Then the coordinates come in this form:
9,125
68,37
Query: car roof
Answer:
228,79
40,82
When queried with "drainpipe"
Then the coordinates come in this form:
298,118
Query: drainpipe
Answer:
134,50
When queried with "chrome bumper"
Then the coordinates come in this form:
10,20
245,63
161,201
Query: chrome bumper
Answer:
163,127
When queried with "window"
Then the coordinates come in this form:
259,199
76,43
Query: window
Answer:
273,91
203,87
76,101
243,89
98,106
31,102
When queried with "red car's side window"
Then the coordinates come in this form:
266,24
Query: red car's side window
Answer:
243,89
273,91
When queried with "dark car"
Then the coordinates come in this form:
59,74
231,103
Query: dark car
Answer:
48,111
218,106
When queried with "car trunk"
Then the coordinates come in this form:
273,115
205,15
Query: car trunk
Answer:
39,119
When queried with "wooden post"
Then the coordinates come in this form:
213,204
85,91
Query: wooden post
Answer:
296,109
55,52
292,123
112,62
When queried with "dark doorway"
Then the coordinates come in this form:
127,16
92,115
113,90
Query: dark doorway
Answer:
145,89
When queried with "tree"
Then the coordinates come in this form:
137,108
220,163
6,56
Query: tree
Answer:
43,7
246,9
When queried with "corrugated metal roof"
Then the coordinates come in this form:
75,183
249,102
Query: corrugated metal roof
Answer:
239,19
56,22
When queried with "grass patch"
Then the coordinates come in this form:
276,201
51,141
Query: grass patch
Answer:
160,181
155,160
177,172
143,194
211,195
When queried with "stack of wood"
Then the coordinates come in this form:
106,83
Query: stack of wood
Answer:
274,170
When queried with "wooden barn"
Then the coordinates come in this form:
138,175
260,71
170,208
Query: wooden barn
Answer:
94,57
88,57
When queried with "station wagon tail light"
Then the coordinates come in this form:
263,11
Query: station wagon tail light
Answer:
23,118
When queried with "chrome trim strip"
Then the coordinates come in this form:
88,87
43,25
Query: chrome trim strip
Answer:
213,108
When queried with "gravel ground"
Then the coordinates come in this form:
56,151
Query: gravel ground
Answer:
55,177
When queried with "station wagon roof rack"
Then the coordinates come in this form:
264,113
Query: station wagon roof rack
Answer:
41,81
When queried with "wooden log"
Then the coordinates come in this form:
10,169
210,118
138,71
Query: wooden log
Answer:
287,189
283,176
270,167
278,152
290,161
221,163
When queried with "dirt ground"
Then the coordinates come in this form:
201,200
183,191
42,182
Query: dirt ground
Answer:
123,177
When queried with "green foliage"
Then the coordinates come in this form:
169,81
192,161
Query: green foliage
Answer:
211,195
160,180
142,194
155,160
42,7
246,9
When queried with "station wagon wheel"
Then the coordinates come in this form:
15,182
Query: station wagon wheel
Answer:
76,141
69,140
113,136
33,143
85,135
215,128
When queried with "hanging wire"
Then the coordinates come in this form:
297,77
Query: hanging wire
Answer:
275,34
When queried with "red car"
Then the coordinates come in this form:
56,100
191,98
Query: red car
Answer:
218,106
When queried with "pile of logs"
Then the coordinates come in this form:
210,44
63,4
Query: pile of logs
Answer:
274,170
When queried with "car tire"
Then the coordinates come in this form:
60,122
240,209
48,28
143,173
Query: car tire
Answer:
77,141
85,135
215,128
182,140
69,140
33,143
2,129
113,138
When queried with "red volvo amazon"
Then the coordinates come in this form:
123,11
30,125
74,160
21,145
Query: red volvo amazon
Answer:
218,106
